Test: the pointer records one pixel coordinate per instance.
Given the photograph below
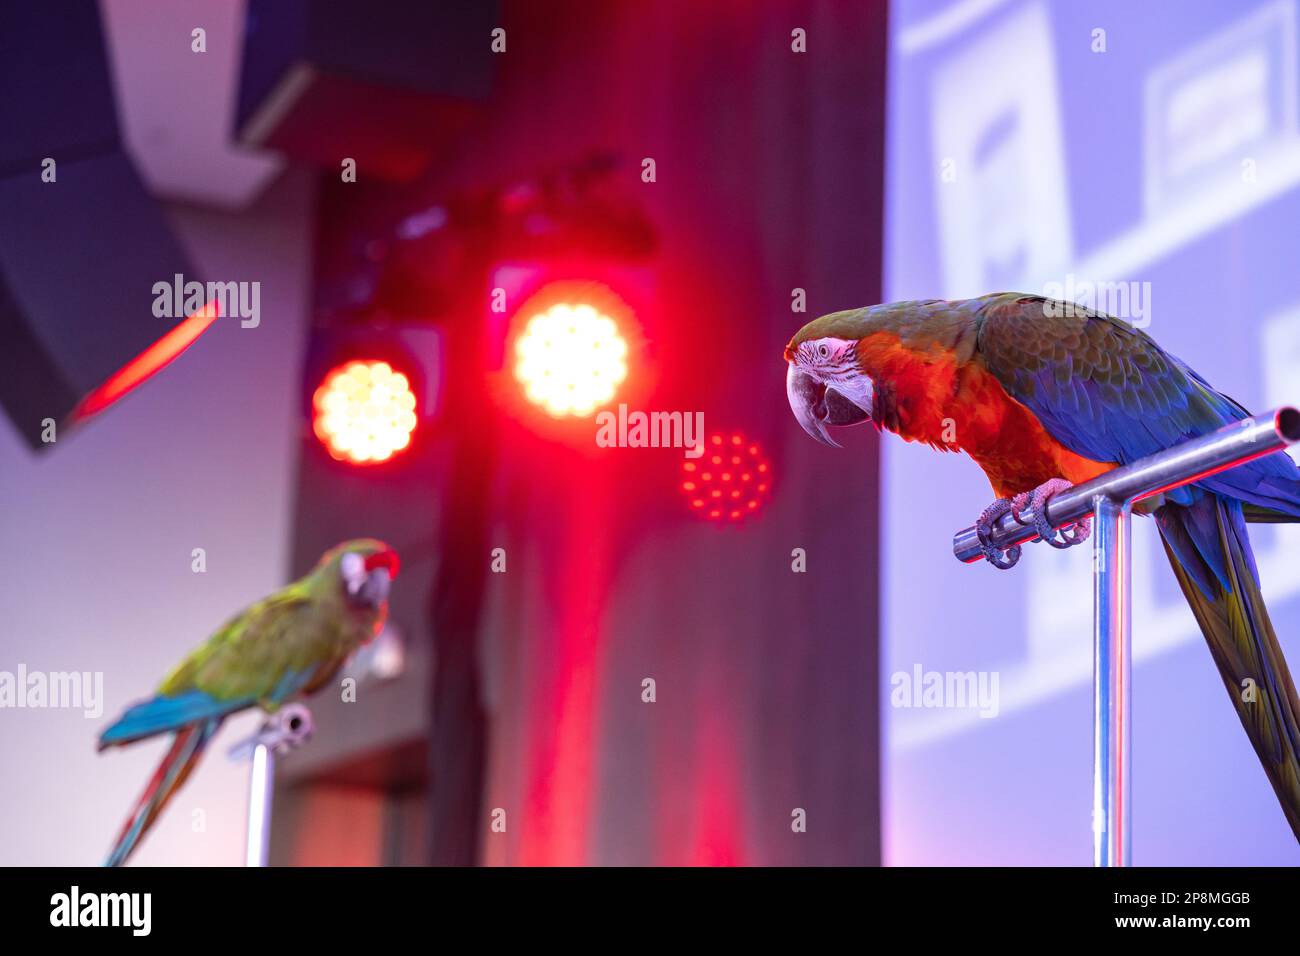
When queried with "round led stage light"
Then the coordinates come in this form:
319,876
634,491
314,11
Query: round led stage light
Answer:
364,412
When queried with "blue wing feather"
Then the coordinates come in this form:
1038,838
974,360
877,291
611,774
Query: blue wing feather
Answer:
1108,392
163,714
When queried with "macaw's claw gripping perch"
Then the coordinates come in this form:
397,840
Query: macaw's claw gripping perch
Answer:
1036,501
1029,509
1002,558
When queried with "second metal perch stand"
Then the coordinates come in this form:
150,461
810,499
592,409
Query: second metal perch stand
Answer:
1110,499
288,728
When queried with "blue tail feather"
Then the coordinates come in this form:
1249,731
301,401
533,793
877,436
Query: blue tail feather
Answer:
1272,481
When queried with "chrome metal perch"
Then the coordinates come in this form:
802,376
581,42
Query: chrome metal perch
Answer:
1109,498
286,729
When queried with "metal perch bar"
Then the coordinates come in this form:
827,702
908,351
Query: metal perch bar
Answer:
1226,448
1110,499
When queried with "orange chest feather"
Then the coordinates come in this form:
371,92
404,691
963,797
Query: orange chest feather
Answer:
960,406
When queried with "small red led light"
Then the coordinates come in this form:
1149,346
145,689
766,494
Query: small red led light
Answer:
735,486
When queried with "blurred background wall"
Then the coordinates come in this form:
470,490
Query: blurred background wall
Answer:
768,175
769,168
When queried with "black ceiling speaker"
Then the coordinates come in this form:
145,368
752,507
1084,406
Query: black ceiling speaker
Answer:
386,84
82,243
58,100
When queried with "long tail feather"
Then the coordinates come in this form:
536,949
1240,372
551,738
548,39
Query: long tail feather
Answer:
187,746
1256,514
1206,545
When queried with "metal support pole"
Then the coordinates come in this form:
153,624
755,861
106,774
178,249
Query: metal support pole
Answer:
1110,498
1112,659
286,729
261,787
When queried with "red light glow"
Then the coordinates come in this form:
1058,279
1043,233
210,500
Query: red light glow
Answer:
730,482
148,363
364,412
570,358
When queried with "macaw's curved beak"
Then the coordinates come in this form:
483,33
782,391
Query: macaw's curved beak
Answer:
816,405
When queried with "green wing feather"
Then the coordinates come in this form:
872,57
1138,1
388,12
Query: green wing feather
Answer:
288,642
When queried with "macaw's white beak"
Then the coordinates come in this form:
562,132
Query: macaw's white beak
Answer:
816,405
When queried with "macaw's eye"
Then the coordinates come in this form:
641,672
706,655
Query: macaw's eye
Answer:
822,350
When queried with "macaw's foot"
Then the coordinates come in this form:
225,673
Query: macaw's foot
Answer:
984,528
1036,503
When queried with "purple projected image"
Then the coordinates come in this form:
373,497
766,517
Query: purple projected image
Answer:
1143,161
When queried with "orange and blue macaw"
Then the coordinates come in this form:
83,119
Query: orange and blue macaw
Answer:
287,645
1045,394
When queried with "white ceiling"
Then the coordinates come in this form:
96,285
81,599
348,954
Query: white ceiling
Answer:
175,106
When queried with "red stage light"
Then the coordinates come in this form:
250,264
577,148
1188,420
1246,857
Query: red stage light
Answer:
730,481
149,362
364,412
570,358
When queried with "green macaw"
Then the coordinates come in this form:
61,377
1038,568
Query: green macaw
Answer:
291,643
1043,394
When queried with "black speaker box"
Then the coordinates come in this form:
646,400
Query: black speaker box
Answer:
57,98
